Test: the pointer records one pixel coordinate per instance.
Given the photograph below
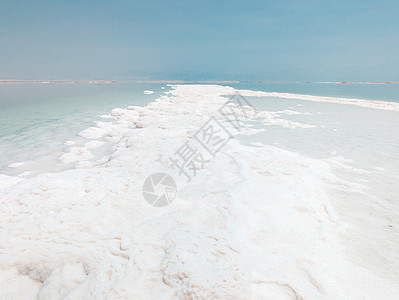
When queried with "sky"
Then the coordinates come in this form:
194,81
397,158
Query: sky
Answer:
311,40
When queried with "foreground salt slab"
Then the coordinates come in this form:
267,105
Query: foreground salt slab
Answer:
256,222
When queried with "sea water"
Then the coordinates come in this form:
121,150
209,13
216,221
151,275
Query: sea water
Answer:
37,119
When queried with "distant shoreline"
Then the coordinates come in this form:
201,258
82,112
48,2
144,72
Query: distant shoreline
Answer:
43,81
12,81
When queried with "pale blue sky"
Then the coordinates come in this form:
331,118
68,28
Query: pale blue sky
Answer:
308,40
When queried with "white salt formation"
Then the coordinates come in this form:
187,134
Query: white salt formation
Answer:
255,223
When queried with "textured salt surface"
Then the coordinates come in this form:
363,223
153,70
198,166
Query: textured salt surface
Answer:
256,222
16,165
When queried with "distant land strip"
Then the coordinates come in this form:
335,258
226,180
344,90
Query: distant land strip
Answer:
43,81
13,81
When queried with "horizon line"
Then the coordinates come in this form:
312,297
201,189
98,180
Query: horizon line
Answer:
104,81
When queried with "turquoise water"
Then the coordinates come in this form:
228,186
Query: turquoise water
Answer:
36,119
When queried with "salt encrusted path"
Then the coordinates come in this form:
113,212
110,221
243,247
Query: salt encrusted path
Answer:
376,104
255,223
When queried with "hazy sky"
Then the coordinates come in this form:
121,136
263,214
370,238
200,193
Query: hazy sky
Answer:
191,40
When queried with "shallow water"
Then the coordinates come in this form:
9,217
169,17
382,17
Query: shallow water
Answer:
36,119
